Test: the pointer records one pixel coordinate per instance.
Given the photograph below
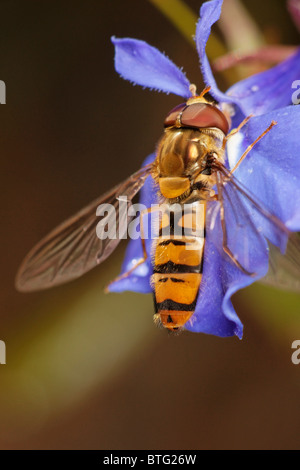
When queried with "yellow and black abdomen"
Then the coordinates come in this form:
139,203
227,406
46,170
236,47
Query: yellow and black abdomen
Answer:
178,263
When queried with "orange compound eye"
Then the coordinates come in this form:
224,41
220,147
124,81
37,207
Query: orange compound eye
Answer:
198,115
173,114
204,115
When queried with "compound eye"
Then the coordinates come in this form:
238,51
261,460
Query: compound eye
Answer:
172,116
204,115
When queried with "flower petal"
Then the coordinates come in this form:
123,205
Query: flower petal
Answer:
271,171
209,316
209,13
139,279
269,90
214,313
258,94
145,65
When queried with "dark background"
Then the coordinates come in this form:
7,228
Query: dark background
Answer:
86,370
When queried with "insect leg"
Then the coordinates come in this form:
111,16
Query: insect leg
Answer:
224,230
250,147
145,255
236,130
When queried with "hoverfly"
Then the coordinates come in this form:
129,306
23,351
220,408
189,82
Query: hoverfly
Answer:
189,163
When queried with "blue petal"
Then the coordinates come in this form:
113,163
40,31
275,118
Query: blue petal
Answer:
214,313
271,171
209,13
267,90
139,279
145,65
258,94
209,316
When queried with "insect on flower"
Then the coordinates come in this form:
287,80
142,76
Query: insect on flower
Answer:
221,242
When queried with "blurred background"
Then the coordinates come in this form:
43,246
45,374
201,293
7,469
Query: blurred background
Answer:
87,370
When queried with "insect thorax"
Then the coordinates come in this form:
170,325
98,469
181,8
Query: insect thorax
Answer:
183,156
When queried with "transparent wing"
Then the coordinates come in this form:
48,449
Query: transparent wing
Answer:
284,271
245,222
79,243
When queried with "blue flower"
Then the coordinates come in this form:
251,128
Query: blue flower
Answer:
271,171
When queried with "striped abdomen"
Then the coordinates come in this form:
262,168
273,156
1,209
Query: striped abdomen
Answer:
178,259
